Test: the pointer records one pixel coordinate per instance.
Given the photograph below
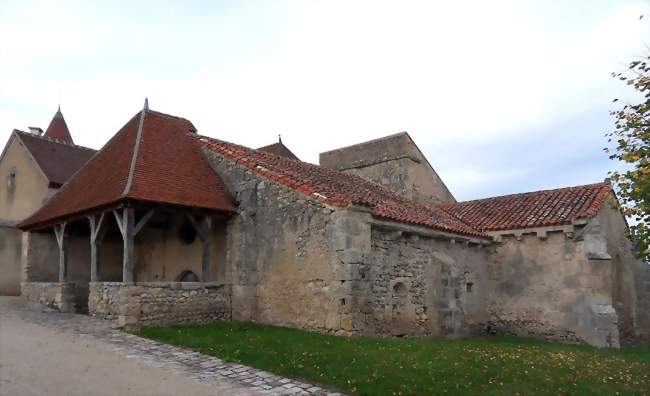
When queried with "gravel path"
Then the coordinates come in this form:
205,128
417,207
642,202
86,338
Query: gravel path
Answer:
46,352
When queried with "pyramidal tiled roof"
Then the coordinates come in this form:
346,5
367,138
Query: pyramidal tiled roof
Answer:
58,129
532,209
338,188
151,158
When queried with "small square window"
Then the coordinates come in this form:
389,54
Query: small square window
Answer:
469,287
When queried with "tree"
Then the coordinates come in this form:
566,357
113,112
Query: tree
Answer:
631,138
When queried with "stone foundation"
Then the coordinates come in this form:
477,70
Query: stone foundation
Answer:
60,296
160,303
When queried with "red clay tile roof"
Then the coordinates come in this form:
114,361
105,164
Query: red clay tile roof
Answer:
338,188
58,129
280,149
532,209
168,167
57,160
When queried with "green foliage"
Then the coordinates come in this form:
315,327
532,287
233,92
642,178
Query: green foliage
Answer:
371,366
631,137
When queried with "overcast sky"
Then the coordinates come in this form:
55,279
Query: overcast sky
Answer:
501,96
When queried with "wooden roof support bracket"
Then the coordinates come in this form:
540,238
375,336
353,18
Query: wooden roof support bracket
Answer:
125,223
97,233
141,223
62,242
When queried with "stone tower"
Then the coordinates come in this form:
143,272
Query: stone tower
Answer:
395,162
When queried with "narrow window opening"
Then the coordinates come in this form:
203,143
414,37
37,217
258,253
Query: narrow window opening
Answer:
11,179
399,288
469,286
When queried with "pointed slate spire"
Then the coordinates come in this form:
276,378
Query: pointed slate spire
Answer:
146,103
58,129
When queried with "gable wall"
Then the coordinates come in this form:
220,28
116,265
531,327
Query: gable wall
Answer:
31,187
548,288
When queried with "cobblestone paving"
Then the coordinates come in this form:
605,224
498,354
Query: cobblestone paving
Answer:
193,364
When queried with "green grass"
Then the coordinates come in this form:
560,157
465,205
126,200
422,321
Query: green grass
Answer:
371,366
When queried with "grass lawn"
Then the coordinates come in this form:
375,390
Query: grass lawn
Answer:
371,366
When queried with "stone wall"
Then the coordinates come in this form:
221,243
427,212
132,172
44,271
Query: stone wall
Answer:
40,257
160,303
40,262
422,286
10,270
547,286
630,277
60,296
286,253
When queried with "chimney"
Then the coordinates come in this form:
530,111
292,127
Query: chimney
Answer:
36,131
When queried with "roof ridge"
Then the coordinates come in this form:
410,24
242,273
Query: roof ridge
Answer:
49,139
134,157
568,188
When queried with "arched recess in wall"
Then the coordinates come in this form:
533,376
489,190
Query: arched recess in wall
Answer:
187,276
399,310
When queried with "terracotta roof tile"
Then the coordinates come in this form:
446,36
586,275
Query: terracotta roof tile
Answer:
58,129
338,188
57,160
533,209
168,168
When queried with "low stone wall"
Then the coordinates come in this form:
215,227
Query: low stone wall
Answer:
160,303
60,296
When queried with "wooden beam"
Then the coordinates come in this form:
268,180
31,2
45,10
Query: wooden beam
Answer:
198,228
142,222
95,231
62,242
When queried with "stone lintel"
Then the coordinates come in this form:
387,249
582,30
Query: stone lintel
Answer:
426,232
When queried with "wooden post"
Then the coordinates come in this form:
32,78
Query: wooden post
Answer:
95,241
62,241
125,222
203,231
207,244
